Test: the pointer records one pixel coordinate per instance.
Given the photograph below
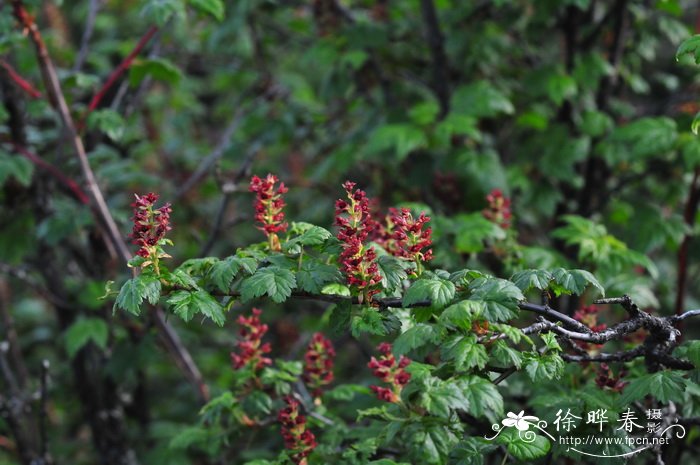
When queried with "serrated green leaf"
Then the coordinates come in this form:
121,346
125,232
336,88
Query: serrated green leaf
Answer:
522,449
483,396
214,8
690,46
664,385
466,352
314,276
391,271
532,279
186,304
543,367
499,296
84,331
17,167
273,281
438,291
461,314
505,355
131,296
576,281
415,337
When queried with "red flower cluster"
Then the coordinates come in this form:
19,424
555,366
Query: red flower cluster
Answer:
409,237
299,440
150,224
588,315
357,261
318,370
606,379
251,350
268,207
498,210
387,370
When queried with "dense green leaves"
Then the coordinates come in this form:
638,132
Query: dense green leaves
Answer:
438,291
186,304
275,282
86,330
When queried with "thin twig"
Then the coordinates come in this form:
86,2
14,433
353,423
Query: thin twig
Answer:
93,9
22,83
119,70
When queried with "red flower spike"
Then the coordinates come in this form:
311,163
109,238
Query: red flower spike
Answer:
297,439
498,210
408,238
150,226
605,379
250,348
588,315
268,207
387,370
318,369
357,261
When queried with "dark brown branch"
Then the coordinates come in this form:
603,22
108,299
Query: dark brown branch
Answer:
691,209
436,41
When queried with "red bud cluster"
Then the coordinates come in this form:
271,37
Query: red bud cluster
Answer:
268,207
409,238
357,261
150,224
318,369
250,348
391,372
605,379
498,210
297,438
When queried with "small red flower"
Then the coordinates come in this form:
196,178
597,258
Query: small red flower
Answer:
297,438
250,348
498,210
268,207
150,225
357,261
318,369
386,369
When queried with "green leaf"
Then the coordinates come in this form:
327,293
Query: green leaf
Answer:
695,124
131,296
473,230
438,291
481,99
107,121
391,271
186,304
152,288
222,273
159,69
690,46
214,8
309,235
500,297
532,279
576,281
415,337
84,331
277,283
314,275
369,320
336,289
506,355
460,315
466,352
522,449
664,385
543,367
483,397
17,167
402,138
471,451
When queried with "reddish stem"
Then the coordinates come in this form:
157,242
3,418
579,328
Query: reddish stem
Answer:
119,70
691,209
81,196
25,85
